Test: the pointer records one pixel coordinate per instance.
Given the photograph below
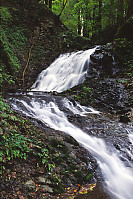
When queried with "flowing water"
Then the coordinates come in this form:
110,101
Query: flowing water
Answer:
69,70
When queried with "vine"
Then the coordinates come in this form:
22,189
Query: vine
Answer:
27,63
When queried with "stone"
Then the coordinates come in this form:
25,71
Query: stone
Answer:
124,119
44,180
47,188
102,63
30,185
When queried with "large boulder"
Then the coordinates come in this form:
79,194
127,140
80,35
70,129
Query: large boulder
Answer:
102,63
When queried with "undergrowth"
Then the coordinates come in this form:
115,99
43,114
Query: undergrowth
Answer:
16,141
123,50
20,139
6,79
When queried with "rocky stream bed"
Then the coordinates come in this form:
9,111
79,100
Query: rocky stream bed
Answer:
50,163
74,173
71,171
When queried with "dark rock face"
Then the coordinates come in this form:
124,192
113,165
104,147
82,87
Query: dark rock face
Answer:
124,119
102,63
111,95
106,95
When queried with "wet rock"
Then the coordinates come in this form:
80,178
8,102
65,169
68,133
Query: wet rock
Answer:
124,110
107,63
98,50
44,180
102,63
110,95
47,188
71,140
30,185
96,58
124,119
120,105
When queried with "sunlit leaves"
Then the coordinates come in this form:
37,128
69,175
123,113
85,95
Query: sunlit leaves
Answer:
89,14
72,192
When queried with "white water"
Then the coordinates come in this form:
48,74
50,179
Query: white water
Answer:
65,72
130,150
118,178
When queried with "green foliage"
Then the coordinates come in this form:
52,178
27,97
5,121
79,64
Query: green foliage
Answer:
123,50
94,16
89,176
83,95
87,89
5,77
3,105
5,14
13,41
17,37
16,139
9,50
73,40
45,157
13,145
69,15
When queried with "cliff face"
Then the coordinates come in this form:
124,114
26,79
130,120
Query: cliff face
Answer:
32,37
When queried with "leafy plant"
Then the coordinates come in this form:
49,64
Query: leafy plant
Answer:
13,145
123,51
5,77
87,89
5,14
83,95
3,106
9,50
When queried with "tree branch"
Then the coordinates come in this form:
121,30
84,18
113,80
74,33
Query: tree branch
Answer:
64,5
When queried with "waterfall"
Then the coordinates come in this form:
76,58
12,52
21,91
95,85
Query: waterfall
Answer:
65,72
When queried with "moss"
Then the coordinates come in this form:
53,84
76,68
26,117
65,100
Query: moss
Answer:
8,51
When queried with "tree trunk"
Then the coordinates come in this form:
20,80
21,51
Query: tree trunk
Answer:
63,7
94,9
129,9
46,2
79,23
86,18
99,15
120,13
50,4
85,25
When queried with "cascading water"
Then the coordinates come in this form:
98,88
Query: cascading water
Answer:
47,109
65,72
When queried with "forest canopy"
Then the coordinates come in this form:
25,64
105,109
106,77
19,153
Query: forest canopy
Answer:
91,18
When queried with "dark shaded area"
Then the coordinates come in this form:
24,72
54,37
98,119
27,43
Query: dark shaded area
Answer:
126,30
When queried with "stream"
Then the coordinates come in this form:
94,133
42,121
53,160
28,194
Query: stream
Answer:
116,163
